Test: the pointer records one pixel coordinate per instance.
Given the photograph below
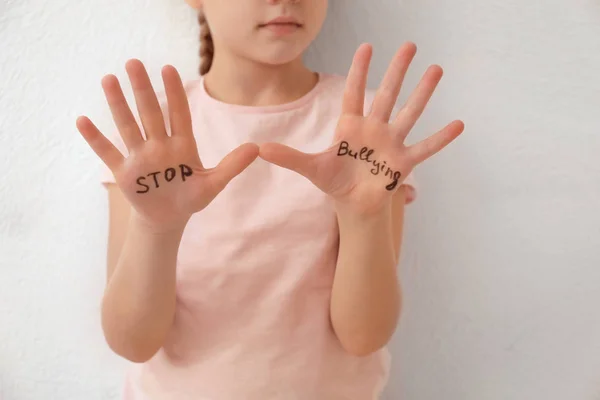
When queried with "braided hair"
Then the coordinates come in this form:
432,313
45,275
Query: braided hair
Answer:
207,47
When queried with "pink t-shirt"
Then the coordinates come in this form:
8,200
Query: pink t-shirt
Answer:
255,269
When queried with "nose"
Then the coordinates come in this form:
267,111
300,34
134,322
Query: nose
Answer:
282,1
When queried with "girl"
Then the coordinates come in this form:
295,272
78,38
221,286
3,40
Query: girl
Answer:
256,219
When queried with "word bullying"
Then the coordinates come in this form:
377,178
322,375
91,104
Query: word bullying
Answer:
365,155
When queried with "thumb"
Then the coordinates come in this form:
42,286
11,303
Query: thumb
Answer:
289,158
233,164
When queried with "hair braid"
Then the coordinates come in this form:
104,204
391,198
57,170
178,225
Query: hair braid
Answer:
207,47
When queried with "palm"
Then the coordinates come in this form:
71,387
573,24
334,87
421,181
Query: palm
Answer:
368,160
353,170
162,177
166,181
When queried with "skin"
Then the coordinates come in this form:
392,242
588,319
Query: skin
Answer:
252,66
366,297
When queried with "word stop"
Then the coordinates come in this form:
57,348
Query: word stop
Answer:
167,176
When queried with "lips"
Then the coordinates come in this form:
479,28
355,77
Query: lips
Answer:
283,21
283,24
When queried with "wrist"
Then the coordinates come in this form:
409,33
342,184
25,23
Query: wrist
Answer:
374,215
172,228
361,227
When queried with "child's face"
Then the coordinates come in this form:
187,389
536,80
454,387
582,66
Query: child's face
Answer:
239,26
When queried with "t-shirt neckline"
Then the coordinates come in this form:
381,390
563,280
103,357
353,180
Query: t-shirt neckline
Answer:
276,108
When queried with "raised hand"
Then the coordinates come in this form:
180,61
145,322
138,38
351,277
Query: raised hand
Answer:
369,159
162,177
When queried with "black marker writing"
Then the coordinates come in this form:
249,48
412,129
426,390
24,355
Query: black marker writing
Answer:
365,155
170,174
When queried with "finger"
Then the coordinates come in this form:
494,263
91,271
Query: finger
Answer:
426,148
389,90
356,82
179,109
107,152
289,158
124,120
409,114
145,98
233,164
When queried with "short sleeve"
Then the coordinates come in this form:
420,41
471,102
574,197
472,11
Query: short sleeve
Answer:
106,175
410,182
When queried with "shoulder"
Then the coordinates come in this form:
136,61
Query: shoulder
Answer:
334,85
191,88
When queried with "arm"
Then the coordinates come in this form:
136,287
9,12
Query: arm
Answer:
366,295
147,221
139,299
366,298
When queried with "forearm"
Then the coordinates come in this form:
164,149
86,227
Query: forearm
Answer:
366,297
139,301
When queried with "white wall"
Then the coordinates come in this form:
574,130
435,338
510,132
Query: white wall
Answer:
502,250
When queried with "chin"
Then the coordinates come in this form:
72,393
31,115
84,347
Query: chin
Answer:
277,62
285,56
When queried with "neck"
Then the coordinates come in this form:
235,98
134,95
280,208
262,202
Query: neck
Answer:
245,82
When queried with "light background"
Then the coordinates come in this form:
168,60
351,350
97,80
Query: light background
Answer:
501,262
